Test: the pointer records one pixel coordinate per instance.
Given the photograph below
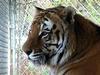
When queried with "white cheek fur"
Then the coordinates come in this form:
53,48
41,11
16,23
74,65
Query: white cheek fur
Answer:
49,24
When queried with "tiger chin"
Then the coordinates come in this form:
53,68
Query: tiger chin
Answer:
65,41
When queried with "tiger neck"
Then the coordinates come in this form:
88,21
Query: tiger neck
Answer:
86,35
81,39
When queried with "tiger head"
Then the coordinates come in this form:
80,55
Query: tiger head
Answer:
48,38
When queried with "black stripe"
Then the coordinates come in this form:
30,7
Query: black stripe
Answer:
54,26
60,56
54,53
52,44
47,29
58,37
57,34
45,46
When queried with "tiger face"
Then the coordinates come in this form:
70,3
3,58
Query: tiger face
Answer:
49,34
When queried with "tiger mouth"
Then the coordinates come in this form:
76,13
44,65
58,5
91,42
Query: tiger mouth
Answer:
37,58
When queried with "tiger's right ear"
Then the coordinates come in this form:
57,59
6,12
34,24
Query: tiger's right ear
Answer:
69,13
38,9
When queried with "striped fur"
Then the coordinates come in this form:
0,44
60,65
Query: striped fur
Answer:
61,39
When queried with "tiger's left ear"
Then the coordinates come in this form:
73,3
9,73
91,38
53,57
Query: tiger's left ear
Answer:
69,13
38,9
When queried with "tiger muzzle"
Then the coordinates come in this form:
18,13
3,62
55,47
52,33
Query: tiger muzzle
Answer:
37,58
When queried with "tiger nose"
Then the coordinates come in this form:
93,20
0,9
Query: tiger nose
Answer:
28,52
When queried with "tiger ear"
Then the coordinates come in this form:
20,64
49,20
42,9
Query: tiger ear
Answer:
38,9
69,13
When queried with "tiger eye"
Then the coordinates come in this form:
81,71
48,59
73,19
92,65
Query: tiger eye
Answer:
46,19
54,26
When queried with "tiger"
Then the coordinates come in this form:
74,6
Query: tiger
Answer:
65,41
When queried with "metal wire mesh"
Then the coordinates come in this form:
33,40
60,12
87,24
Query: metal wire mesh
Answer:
25,9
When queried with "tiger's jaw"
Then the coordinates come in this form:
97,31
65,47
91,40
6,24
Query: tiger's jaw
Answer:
37,58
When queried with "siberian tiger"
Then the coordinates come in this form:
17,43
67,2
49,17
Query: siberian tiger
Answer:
65,41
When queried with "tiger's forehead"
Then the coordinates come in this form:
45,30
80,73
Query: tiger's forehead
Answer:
48,20
40,17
